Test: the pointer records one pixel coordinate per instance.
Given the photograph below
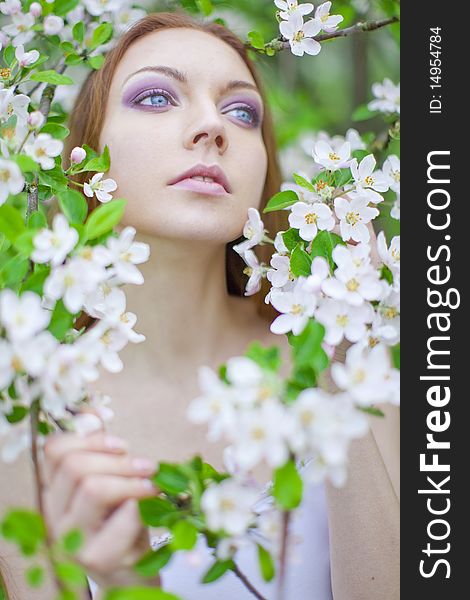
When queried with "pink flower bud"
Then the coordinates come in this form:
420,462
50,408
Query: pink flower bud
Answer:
35,9
35,119
77,155
53,24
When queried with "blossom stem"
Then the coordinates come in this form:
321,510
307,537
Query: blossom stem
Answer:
249,586
283,556
39,485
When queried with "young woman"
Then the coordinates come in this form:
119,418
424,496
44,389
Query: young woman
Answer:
176,94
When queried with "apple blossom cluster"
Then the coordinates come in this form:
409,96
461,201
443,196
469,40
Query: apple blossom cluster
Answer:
387,97
300,34
35,363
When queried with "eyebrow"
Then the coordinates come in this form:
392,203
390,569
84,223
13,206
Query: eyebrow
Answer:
181,77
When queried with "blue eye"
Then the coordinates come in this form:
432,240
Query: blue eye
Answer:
246,114
154,98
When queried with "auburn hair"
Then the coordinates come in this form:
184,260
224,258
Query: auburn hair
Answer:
87,118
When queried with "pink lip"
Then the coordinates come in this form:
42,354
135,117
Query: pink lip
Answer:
201,187
218,187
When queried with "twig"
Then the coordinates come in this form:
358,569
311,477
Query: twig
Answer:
283,555
249,586
281,44
39,485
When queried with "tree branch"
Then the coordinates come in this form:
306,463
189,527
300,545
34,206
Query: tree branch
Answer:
282,44
243,578
283,557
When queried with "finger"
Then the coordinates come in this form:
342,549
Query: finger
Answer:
121,541
98,494
77,465
59,445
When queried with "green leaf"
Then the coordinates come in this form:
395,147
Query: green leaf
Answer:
170,479
307,347
72,541
96,62
73,205
35,281
57,131
256,39
36,220
54,178
266,358
386,274
288,486
342,177
291,238
184,536
281,200
78,32
52,77
17,414
205,6
158,512
372,410
299,180
11,222
139,593
104,218
324,244
98,163
362,113
301,379
9,55
24,242
266,563
360,154
70,573
67,47
25,528
61,321
62,7
219,568
150,564
34,576
101,35
396,356
14,271
300,262
26,163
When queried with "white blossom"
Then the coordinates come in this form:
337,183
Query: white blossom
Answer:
99,187
228,506
310,218
391,171
366,375
387,97
54,244
20,28
300,34
13,104
390,255
289,7
44,149
326,21
25,58
53,24
11,179
253,231
255,272
99,7
332,159
10,7
125,254
280,272
395,212
296,306
368,181
353,215
22,316
342,320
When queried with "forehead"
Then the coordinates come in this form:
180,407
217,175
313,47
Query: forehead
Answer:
201,56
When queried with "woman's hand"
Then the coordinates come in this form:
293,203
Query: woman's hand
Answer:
93,484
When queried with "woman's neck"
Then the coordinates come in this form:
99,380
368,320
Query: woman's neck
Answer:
183,307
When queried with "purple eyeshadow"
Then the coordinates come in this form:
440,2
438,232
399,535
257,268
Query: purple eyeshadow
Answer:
133,91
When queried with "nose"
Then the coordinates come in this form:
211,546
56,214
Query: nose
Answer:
208,131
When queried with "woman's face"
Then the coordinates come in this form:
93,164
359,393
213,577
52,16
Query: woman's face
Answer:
170,107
